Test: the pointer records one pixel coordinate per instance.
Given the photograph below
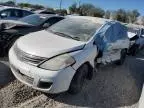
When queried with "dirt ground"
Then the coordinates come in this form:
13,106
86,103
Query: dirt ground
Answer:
111,87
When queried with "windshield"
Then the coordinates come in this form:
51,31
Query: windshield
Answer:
33,19
78,29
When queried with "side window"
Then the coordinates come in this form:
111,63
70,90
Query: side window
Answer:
17,13
5,13
11,13
53,20
26,13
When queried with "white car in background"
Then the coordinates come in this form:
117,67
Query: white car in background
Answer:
62,57
136,36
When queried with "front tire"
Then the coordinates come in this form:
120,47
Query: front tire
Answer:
78,80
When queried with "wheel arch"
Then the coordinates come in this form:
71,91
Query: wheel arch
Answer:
90,70
89,75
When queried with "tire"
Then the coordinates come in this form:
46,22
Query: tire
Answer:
78,80
122,57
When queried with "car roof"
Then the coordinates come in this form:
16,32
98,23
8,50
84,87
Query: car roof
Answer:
8,7
93,19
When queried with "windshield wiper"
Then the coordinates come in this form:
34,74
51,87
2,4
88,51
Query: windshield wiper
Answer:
65,35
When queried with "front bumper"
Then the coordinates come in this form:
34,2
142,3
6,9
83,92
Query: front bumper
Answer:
41,79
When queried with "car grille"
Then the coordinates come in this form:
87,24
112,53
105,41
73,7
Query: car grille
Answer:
28,58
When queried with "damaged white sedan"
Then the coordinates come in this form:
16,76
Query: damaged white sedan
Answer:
62,57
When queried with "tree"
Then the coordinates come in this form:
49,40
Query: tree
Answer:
24,5
132,16
61,11
87,9
37,6
107,14
50,9
136,13
91,10
8,3
99,12
73,8
120,15
125,16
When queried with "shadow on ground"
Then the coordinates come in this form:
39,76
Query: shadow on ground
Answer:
6,75
113,86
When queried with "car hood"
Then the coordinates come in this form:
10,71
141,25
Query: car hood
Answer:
46,44
131,35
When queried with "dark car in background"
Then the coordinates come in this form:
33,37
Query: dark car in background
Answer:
13,13
15,29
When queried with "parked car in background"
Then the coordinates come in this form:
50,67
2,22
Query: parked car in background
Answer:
62,57
13,13
15,29
136,36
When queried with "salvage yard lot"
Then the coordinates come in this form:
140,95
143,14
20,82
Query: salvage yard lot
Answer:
112,87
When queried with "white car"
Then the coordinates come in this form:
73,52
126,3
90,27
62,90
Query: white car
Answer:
60,58
136,36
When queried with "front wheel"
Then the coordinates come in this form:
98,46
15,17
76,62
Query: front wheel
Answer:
78,80
122,57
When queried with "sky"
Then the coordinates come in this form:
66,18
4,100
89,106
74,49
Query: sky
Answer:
105,4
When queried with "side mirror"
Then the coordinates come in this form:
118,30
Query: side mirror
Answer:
46,25
3,15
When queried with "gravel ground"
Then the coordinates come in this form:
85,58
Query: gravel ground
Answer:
112,87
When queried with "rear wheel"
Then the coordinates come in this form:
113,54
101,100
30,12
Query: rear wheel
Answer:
78,80
122,57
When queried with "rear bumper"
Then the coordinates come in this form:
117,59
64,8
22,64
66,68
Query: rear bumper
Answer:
41,79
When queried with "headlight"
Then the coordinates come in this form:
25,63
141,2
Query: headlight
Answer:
58,62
